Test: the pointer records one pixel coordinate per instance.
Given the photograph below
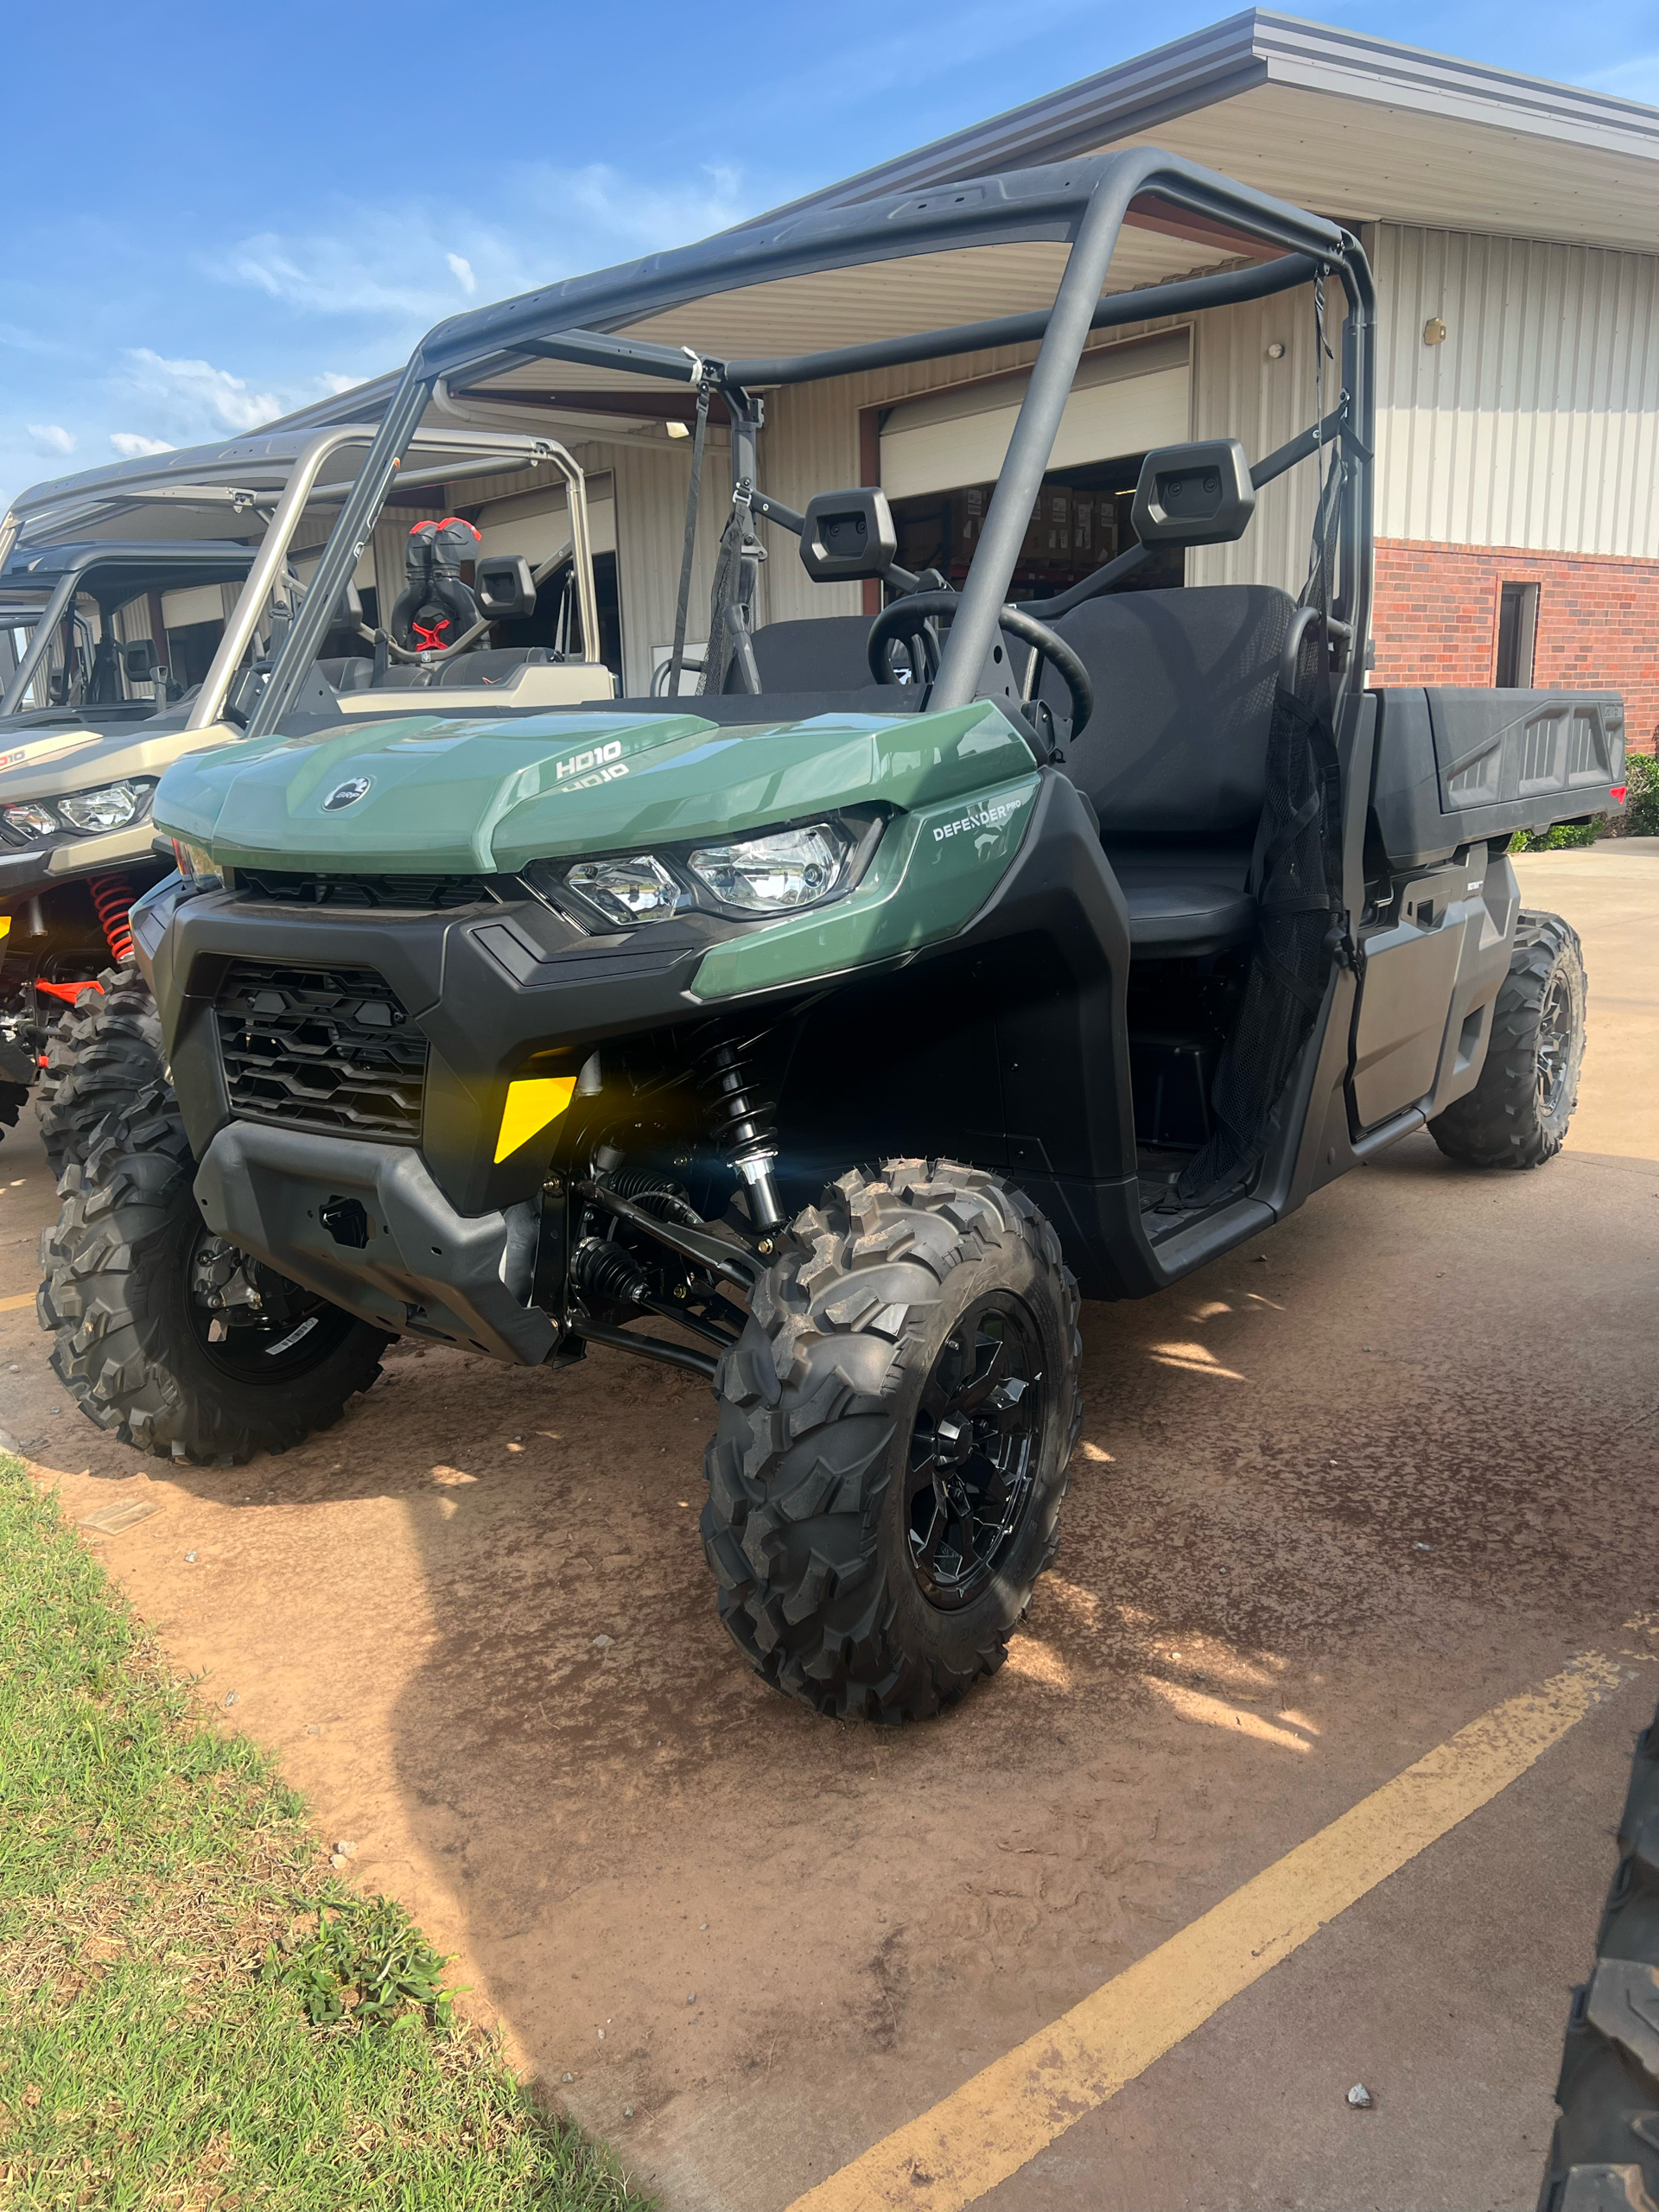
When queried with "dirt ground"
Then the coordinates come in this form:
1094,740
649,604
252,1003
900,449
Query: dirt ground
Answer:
1337,1494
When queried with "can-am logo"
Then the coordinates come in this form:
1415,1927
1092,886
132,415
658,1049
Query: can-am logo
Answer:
349,793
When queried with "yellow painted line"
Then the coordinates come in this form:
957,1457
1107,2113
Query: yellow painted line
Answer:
989,2128
16,1305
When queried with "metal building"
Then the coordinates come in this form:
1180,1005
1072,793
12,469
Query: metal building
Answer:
1514,227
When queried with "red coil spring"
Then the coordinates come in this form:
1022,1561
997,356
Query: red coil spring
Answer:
113,895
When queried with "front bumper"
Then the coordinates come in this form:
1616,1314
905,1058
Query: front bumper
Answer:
424,1268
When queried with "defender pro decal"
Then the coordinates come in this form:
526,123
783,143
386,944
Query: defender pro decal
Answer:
990,817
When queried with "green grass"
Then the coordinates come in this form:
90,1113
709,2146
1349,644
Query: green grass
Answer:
193,2014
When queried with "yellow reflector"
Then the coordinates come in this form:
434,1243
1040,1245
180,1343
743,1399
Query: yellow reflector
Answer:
6,925
532,1104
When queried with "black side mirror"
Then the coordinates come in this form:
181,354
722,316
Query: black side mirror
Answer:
140,660
504,587
847,535
1197,494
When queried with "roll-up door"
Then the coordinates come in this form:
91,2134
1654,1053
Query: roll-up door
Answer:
538,524
1124,399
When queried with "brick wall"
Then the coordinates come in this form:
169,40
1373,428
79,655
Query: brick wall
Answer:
1436,621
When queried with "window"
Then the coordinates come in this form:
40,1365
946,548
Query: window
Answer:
1081,520
1517,629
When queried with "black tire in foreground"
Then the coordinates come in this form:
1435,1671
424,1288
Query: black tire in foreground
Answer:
105,1048
1605,2156
896,1427
168,1334
1517,1114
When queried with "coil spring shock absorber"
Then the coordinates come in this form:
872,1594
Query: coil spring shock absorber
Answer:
112,895
740,1125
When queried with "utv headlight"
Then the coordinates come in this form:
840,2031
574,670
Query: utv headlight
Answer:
110,807
626,891
773,876
32,821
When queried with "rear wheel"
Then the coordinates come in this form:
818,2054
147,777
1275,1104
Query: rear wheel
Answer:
895,1430
1605,2156
105,1048
1517,1114
167,1333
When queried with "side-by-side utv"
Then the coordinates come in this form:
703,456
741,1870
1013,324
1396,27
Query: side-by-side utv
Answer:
830,1034
90,717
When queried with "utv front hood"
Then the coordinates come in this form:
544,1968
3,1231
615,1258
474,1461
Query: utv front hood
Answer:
425,794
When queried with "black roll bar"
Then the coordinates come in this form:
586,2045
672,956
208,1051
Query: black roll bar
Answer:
1084,204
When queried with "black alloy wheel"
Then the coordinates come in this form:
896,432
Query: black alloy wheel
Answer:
252,1324
973,1450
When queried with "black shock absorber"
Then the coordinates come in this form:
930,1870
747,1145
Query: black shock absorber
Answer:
740,1125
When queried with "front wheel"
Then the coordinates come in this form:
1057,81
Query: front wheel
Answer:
1517,1114
167,1333
896,1427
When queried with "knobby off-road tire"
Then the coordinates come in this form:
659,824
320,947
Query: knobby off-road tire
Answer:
1517,1114
1605,2156
105,1048
913,1353
132,1335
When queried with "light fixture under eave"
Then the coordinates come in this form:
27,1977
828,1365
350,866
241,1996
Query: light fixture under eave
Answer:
677,429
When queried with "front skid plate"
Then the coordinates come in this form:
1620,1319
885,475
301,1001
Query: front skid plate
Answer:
462,1274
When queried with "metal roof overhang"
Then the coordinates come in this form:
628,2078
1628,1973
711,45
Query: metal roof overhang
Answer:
1276,102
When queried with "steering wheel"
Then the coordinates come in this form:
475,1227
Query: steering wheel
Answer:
908,617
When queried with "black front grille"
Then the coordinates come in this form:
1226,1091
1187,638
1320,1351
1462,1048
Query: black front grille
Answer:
320,1048
421,893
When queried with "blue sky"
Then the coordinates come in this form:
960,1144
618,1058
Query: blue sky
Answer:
219,211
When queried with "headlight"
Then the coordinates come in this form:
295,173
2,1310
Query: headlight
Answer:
771,876
32,821
636,890
110,807
195,863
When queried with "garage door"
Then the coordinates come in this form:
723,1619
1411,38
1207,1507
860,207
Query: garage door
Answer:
1124,399
538,524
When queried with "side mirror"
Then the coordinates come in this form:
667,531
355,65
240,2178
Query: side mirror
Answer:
504,587
848,536
140,660
1198,494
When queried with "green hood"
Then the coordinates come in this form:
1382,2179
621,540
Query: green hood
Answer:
459,796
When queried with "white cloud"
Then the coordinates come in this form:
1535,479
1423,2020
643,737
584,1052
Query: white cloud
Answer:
1637,78
199,391
382,264
132,445
51,437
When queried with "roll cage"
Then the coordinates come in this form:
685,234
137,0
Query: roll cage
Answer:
266,481
1084,204
111,573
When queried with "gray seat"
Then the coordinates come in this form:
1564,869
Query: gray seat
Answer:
1174,758
1170,920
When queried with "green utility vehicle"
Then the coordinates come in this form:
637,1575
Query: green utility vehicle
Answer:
832,1032
98,695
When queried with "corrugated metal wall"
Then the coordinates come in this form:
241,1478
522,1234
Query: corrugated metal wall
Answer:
1238,392
1536,422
